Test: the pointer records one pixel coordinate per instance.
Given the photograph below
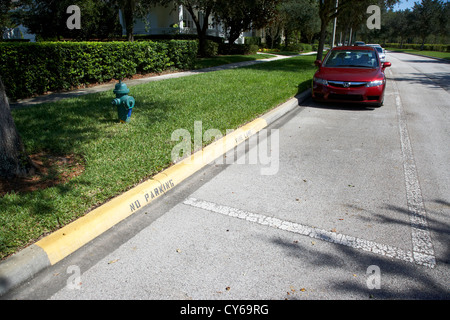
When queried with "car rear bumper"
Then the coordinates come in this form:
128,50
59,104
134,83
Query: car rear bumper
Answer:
369,95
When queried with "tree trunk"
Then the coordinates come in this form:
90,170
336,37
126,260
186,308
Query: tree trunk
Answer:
323,33
423,43
233,35
201,29
128,10
129,24
14,162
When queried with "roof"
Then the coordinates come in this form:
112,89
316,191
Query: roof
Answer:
353,48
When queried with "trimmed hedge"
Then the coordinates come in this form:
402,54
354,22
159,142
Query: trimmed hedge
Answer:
227,49
211,48
415,46
301,47
28,69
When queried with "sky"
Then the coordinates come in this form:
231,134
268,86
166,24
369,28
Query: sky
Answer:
403,4
407,4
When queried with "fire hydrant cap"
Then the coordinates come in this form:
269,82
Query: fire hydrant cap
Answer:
121,88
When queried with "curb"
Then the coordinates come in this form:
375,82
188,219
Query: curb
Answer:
46,252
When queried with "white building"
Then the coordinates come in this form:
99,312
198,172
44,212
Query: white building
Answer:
19,32
161,20
169,20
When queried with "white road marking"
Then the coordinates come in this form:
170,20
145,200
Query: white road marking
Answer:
423,252
422,248
312,232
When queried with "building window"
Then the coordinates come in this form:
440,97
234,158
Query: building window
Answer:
187,20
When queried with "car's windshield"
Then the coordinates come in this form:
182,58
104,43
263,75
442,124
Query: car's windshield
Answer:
351,58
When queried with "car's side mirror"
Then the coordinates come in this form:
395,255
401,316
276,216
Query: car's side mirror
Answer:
318,63
386,64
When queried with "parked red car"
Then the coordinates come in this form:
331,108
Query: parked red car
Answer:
350,74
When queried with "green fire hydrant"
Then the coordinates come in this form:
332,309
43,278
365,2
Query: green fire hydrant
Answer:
123,101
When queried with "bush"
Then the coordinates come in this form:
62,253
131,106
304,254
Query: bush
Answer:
299,47
253,40
211,48
416,46
183,53
228,49
29,69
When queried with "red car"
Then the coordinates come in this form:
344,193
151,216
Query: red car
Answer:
350,74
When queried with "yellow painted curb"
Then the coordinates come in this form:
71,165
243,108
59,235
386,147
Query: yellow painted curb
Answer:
68,239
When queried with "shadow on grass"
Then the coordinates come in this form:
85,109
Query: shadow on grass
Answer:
60,126
286,65
303,86
28,216
225,60
63,127
87,127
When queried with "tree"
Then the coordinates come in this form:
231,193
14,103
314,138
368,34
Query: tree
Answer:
427,15
241,16
328,11
14,161
299,18
274,29
48,18
129,9
352,19
400,25
5,16
200,11
44,18
445,30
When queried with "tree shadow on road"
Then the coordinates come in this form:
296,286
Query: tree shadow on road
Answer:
338,106
399,279
433,81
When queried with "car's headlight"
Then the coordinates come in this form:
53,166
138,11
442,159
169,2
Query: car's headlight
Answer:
375,83
320,81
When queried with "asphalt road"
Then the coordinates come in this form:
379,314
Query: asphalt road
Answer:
349,203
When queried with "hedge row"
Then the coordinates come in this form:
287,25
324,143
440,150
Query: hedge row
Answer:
415,46
28,69
238,48
213,48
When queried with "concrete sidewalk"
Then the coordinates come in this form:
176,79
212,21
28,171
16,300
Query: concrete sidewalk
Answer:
56,96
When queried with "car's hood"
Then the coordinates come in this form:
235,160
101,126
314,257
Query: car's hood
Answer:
349,74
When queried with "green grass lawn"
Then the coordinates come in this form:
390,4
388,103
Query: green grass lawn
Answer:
118,156
226,59
436,54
